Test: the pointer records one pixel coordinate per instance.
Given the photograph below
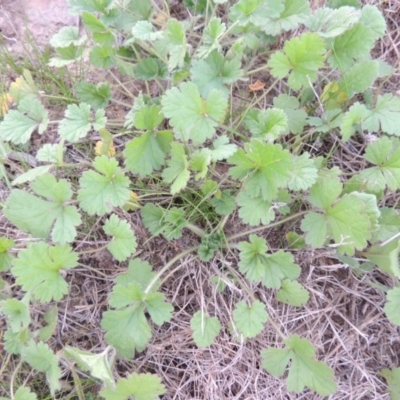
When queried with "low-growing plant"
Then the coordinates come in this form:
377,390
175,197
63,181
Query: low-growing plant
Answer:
235,118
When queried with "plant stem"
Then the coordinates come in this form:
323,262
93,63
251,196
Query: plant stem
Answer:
261,228
196,230
168,265
13,379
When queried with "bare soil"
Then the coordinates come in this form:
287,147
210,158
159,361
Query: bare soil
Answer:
42,18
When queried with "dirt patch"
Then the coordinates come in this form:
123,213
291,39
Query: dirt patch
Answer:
41,18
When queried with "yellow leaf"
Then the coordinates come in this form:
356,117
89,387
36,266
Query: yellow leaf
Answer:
23,87
103,149
5,103
105,146
331,95
133,203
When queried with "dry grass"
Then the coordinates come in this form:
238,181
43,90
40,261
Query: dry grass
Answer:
344,317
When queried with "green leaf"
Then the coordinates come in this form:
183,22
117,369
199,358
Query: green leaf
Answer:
392,377
177,171
24,87
371,209
301,58
5,256
215,72
304,371
386,257
343,3
325,192
345,221
123,243
208,187
329,23
176,37
266,165
205,329
38,269
199,162
78,122
211,36
373,19
244,10
66,36
66,56
31,174
392,306
101,191
166,222
97,96
49,153
14,342
144,30
153,218
150,68
295,241
99,365
192,117
50,318
140,386
24,393
294,13
18,125
296,116
40,357
77,6
138,104
250,320
351,122
147,153
269,269
102,57
100,33
148,118
127,330
304,173
17,313
209,245
223,202
255,210
359,78
389,225
39,216
131,296
138,271
292,293
385,116
384,153
222,149
266,125
353,45
159,310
